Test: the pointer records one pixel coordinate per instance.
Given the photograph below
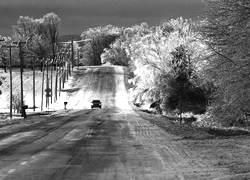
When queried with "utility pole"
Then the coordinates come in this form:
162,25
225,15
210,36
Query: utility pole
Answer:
10,83
21,75
42,83
10,65
51,80
34,84
11,98
64,70
78,58
56,80
21,72
67,66
72,52
47,83
60,72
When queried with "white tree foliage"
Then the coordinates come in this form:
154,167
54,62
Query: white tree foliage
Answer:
41,33
149,50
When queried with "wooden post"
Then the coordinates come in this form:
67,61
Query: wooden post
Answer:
63,73
42,85
69,63
60,78
21,75
72,54
56,82
68,67
10,83
51,81
47,82
34,86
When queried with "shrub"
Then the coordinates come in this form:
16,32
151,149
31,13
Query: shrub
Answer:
16,102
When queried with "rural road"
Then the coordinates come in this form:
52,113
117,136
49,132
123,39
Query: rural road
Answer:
114,142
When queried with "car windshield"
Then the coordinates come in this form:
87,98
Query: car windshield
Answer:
95,101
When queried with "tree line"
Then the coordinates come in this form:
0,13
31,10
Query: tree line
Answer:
177,66
183,65
35,43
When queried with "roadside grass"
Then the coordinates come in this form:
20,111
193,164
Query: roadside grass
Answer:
189,131
227,132
16,118
5,121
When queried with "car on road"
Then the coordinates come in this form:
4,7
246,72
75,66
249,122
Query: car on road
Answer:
97,104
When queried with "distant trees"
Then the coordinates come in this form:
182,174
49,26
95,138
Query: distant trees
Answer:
40,37
165,62
41,33
179,64
227,31
52,25
4,52
159,59
3,60
99,39
115,54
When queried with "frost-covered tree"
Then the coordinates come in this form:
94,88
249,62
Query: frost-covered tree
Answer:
4,51
26,27
227,31
150,50
41,34
115,54
52,25
99,39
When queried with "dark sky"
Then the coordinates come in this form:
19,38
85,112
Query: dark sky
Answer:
78,15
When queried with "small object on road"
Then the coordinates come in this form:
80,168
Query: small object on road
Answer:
65,103
96,103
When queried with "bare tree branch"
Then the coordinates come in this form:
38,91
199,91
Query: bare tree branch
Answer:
223,56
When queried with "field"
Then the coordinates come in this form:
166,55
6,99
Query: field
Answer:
27,89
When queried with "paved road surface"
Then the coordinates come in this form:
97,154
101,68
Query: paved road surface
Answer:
112,143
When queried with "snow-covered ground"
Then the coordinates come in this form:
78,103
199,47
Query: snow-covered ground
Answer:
77,91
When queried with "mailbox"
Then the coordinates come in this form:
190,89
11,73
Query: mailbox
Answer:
23,111
65,103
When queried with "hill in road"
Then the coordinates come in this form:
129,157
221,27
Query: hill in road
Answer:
78,90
